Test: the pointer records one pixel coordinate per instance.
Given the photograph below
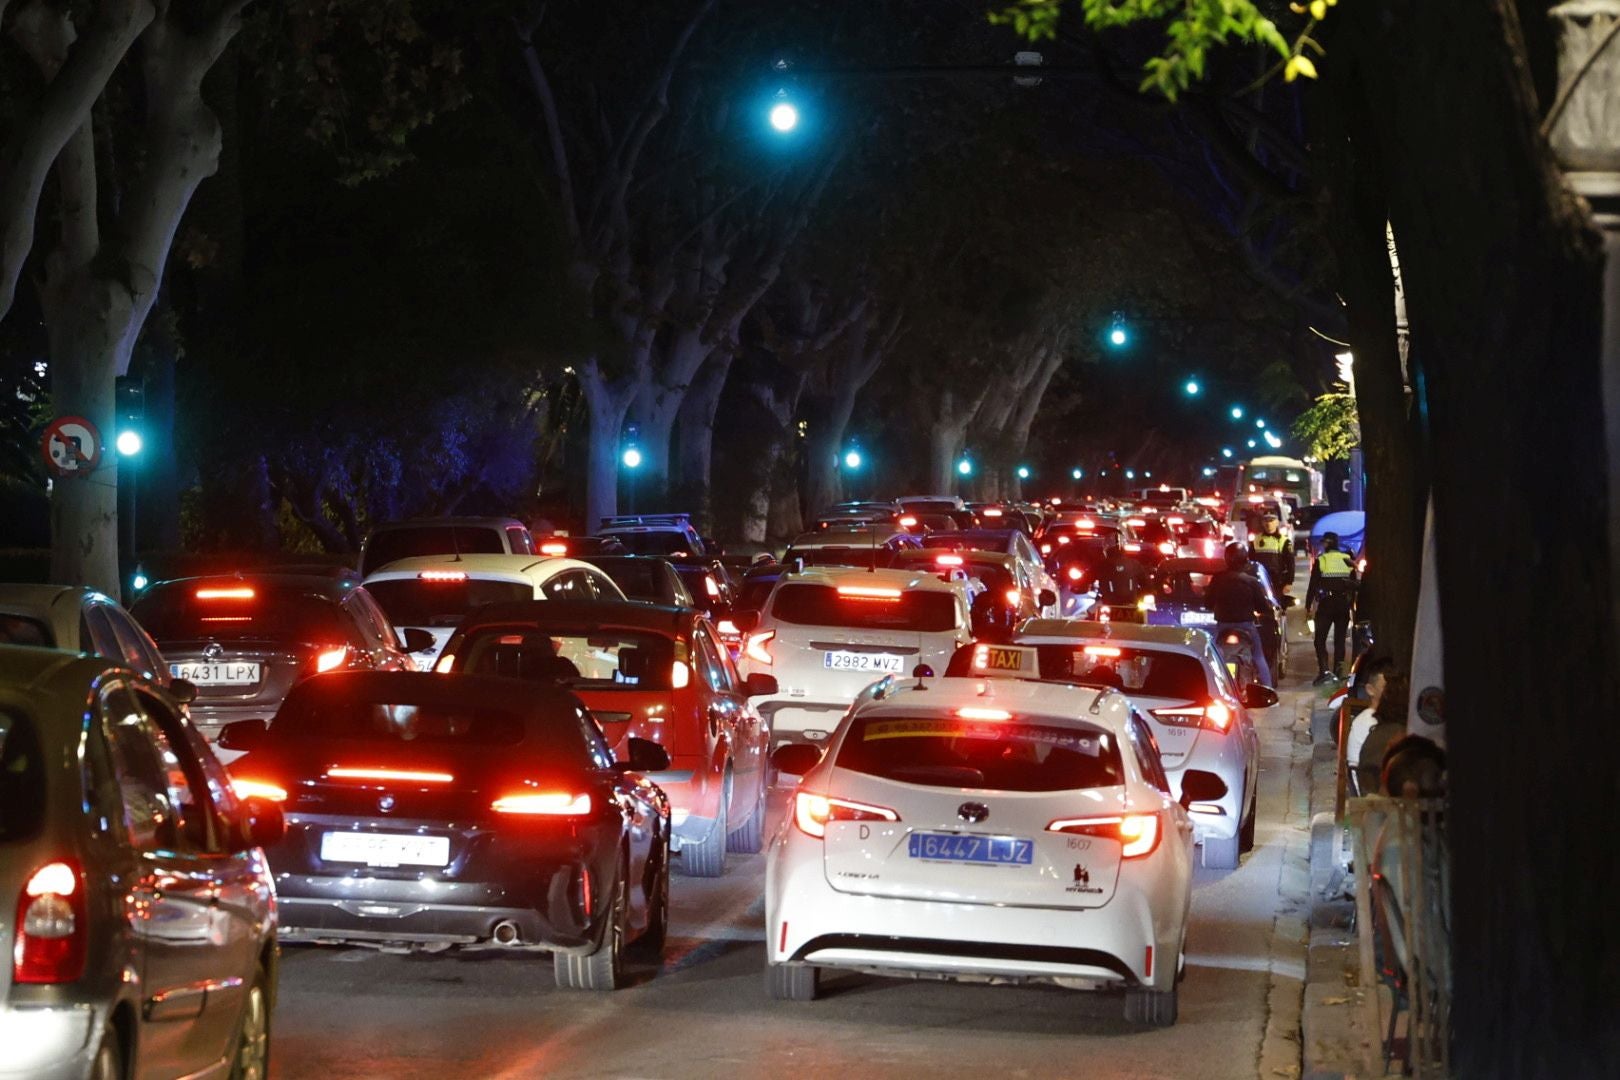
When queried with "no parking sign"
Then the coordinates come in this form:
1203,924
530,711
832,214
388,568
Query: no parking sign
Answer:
71,446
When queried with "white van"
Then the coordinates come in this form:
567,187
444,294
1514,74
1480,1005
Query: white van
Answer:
827,633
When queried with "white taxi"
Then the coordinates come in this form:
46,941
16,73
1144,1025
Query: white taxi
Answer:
1199,716
983,830
828,632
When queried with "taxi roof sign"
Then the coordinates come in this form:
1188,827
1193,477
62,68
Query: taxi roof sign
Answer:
1006,661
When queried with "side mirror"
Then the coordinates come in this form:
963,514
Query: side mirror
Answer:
1047,598
795,759
1258,696
260,824
242,734
184,691
759,684
646,756
416,640
1200,786
745,621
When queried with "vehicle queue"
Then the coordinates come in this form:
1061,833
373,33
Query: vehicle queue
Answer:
1007,762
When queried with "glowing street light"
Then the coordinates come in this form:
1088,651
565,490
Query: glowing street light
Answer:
852,460
1192,388
1259,423
965,467
129,443
1226,451
631,458
1130,474
1237,412
1023,472
784,116
1272,440
1251,444
1118,336
1077,473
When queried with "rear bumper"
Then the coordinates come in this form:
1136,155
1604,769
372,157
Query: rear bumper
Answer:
47,1042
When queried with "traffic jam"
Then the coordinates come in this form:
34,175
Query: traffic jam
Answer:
990,743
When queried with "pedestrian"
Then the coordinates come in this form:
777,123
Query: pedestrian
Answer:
1235,597
1274,550
1389,724
1329,597
1374,678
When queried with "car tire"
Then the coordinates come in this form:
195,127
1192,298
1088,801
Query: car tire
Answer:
749,837
603,967
1153,1008
708,859
109,1059
250,1053
1246,830
650,945
792,982
1221,853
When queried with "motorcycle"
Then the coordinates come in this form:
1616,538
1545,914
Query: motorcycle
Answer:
1237,653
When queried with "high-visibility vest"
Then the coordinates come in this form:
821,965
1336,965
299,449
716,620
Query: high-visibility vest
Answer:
1270,543
1335,564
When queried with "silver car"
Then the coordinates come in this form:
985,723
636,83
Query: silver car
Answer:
137,917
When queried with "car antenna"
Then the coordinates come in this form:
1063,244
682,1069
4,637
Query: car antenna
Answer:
871,533
455,542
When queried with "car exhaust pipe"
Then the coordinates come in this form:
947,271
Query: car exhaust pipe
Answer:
506,933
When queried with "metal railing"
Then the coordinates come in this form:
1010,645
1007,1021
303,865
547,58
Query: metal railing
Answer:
1403,917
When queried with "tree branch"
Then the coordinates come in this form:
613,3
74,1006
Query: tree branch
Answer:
541,84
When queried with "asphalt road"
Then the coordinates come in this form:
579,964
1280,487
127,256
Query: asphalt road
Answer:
361,1013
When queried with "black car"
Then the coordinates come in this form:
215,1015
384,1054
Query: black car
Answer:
246,639
434,810
646,578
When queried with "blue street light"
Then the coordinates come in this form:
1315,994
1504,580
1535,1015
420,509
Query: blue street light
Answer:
1259,423
1148,475
1272,440
140,580
1237,412
1118,336
1208,471
1251,444
631,458
1226,451
1023,472
852,460
784,115
129,443
1192,388
1078,473
965,467
1130,474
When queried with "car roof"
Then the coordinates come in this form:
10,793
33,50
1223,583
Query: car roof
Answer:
495,567
1166,637
846,536
835,576
39,599
333,588
28,668
596,614
1100,707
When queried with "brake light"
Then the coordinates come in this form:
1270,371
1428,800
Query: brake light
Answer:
974,712
331,659
1046,549
409,776
249,788
1209,549
868,592
811,813
52,927
1136,523
553,547
710,586
442,576
1257,498
543,804
992,512
1062,540
1216,716
239,593
1110,652
1085,524
680,674
1137,834
908,522
756,649
1133,548
1014,598
1174,521
1075,573
446,663
727,628
1167,548
948,560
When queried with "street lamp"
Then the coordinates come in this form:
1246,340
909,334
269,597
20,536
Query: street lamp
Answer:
1259,423
1192,388
965,467
1226,451
129,443
631,458
1077,473
1273,441
1251,444
1118,336
784,115
1130,474
852,460
1023,472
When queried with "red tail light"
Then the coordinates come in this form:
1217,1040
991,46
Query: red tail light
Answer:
331,659
1075,573
554,548
543,804
1137,834
52,926
1167,548
443,577
758,647
811,813
402,776
242,592
250,787
1216,716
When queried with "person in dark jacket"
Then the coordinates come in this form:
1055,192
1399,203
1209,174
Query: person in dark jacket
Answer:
1121,579
1235,597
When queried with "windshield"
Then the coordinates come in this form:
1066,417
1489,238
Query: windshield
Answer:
22,779
641,579
999,755
864,608
971,541
654,543
579,658
429,602
236,610
414,541
22,630
1149,672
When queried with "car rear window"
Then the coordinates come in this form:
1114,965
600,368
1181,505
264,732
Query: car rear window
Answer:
328,717
1149,672
414,541
865,608
578,658
754,593
997,755
240,611
22,779
423,602
654,543
22,630
863,558
640,579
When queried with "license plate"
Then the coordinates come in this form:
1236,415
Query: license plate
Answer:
860,661
232,673
385,849
950,847
1197,618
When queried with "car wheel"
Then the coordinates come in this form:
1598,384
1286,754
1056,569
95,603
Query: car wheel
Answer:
708,859
1155,1008
109,1062
251,1058
1220,853
1246,831
749,837
651,943
792,982
602,968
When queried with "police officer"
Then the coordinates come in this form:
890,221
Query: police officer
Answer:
1274,549
1329,597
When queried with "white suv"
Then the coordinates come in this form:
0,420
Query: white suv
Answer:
827,633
